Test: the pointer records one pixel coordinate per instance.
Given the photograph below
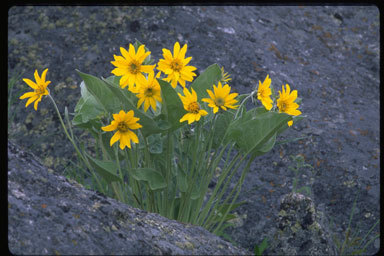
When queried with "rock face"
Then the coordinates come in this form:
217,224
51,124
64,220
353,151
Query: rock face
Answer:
47,214
300,229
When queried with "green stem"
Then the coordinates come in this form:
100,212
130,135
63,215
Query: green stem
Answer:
208,205
118,194
168,171
132,182
243,102
74,145
192,177
234,169
349,227
239,184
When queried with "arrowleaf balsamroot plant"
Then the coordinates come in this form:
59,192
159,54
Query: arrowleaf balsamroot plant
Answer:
172,136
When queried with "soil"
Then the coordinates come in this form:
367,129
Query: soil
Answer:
329,54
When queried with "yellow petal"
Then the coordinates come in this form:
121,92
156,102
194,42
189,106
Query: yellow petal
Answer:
182,53
31,84
43,75
146,105
140,101
27,95
125,140
37,77
132,52
111,127
115,138
167,54
203,112
147,68
193,117
141,51
32,99
118,72
185,118
133,137
36,103
176,50
125,54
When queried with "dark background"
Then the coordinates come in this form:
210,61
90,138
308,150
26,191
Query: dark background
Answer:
330,54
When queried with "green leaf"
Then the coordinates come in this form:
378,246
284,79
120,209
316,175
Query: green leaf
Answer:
206,80
266,147
155,143
223,208
106,169
181,179
253,133
103,95
87,108
175,205
261,248
306,189
154,178
115,81
221,126
195,194
173,108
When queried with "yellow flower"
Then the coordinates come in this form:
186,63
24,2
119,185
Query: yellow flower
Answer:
149,92
130,68
123,123
225,78
286,102
40,89
192,106
176,66
221,98
264,93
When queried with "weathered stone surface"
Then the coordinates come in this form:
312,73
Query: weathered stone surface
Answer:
49,215
300,229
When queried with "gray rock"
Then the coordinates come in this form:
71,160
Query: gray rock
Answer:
48,214
300,229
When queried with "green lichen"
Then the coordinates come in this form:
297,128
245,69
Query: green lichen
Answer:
296,227
185,245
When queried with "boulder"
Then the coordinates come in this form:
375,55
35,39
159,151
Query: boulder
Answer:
300,229
49,214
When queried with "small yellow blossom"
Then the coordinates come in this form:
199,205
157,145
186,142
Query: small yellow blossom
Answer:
264,93
123,123
149,92
192,106
225,78
175,67
40,89
286,102
130,67
221,98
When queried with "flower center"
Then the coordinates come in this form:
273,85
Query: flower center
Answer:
122,127
176,65
219,101
194,107
149,92
283,106
39,90
134,68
